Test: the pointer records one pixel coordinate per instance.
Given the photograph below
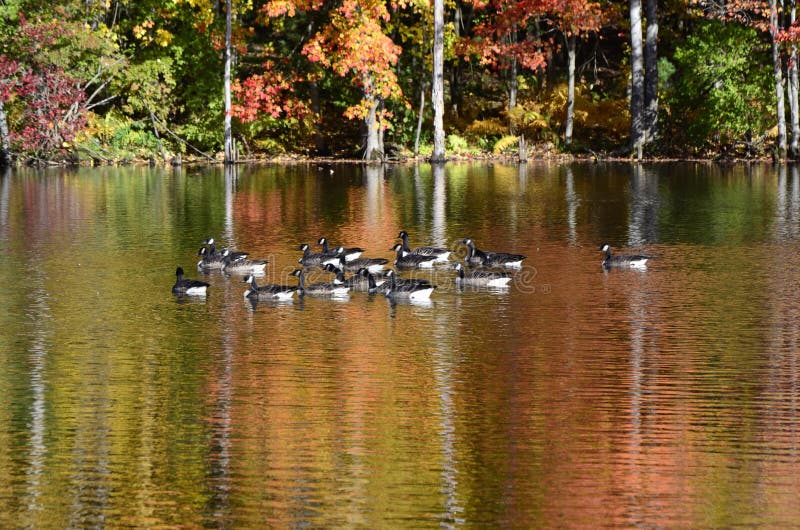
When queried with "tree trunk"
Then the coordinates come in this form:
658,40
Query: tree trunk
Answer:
637,79
372,147
422,89
513,86
570,89
229,152
794,105
651,73
778,73
437,95
5,144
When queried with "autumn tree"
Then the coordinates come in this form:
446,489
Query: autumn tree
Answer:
575,18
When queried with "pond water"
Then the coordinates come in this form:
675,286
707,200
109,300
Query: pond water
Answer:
578,397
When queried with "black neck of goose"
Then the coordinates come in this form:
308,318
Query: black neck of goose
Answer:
253,283
608,253
339,276
406,248
371,280
325,246
470,251
212,248
179,274
392,281
461,272
301,280
399,252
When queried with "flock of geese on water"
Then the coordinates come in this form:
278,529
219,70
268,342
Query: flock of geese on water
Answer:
368,274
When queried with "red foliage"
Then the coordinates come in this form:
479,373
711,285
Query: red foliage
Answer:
268,93
49,101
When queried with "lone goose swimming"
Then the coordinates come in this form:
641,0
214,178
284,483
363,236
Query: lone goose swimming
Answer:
187,286
481,278
407,291
267,292
440,253
491,259
412,261
349,253
318,289
637,261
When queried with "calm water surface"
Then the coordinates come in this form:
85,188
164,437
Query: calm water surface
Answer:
577,398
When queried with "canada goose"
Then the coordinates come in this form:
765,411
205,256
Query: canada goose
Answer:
481,278
374,265
310,259
213,252
188,287
208,261
440,253
318,289
357,282
491,259
242,265
623,260
349,253
412,261
407,291
267,292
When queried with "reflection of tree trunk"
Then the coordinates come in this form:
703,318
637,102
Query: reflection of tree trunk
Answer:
5,144
651,72
778,77
637,79
438,82
229,154
570,88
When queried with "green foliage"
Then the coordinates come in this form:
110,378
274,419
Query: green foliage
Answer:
114,137
721,91
457,145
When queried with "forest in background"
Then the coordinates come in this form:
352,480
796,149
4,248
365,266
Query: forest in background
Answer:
118,81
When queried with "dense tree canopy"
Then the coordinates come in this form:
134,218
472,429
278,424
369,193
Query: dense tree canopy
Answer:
116,80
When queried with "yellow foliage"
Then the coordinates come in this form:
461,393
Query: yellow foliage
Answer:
490,127
505,143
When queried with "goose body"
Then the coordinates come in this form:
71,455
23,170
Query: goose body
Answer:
637,261
349,254
243,265
318,289
374,265
357,282
481,278
407,291
267,292
491,259
412,261
187,286
440,253
319,259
